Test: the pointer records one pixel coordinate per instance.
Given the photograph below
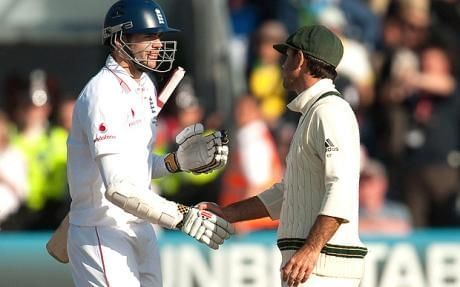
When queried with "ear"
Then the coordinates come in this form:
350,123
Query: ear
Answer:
300,59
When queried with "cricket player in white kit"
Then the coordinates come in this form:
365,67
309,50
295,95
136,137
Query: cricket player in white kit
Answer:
110,161
317,200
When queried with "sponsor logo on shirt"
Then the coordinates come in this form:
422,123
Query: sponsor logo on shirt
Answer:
330,146
104,137
102,128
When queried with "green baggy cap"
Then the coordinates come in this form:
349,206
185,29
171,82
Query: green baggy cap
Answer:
316,41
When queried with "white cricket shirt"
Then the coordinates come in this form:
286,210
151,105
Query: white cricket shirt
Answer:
114,114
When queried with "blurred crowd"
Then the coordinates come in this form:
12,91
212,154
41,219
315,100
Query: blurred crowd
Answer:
400,73
33,155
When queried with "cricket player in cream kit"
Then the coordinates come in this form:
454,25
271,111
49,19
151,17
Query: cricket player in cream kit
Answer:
317,200
111,241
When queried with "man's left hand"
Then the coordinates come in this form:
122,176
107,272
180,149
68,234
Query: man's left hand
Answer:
198,153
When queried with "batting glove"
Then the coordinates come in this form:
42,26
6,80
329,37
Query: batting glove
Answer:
198,153
204,226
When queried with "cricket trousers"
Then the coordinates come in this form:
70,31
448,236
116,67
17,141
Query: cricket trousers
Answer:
114,256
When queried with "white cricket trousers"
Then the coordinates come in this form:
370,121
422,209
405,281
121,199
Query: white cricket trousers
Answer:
319,281
113,256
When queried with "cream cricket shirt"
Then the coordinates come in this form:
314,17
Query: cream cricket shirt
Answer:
113,114
321,178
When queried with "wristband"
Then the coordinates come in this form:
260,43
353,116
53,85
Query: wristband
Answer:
172,165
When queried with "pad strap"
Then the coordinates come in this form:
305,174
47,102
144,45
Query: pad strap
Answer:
172,165
149,206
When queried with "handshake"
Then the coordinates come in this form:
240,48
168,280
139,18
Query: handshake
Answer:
204,226
199,153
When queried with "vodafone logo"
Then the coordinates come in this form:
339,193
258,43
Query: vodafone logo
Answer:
102,128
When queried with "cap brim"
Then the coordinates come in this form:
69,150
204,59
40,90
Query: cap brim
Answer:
282,47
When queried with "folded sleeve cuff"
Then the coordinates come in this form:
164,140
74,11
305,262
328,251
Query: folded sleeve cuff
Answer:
273,200
336,206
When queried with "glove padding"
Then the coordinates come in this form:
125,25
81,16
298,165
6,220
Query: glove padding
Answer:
205,226
198,153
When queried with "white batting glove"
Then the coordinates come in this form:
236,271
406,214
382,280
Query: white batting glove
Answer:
198,153
204,226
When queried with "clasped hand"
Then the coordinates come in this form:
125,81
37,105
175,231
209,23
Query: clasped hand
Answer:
205,226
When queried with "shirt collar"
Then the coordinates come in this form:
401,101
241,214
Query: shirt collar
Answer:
304,100
123,75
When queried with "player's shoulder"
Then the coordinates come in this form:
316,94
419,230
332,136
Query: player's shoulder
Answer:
99,93
332,101
333,106
100,86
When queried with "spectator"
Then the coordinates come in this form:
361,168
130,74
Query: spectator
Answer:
43,145
363,23
13,170
32,114
405,35
265,81
254,162
356,62
57,195
433,140
245,17
416,19
378,215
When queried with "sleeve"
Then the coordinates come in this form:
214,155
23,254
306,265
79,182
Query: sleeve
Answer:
338,145
158,166
273,200
109,165
104,120
155,208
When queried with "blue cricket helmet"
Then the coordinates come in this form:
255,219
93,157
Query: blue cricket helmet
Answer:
135,17
127,17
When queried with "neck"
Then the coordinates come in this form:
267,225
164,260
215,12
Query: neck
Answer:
128,66
132,71
306,82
